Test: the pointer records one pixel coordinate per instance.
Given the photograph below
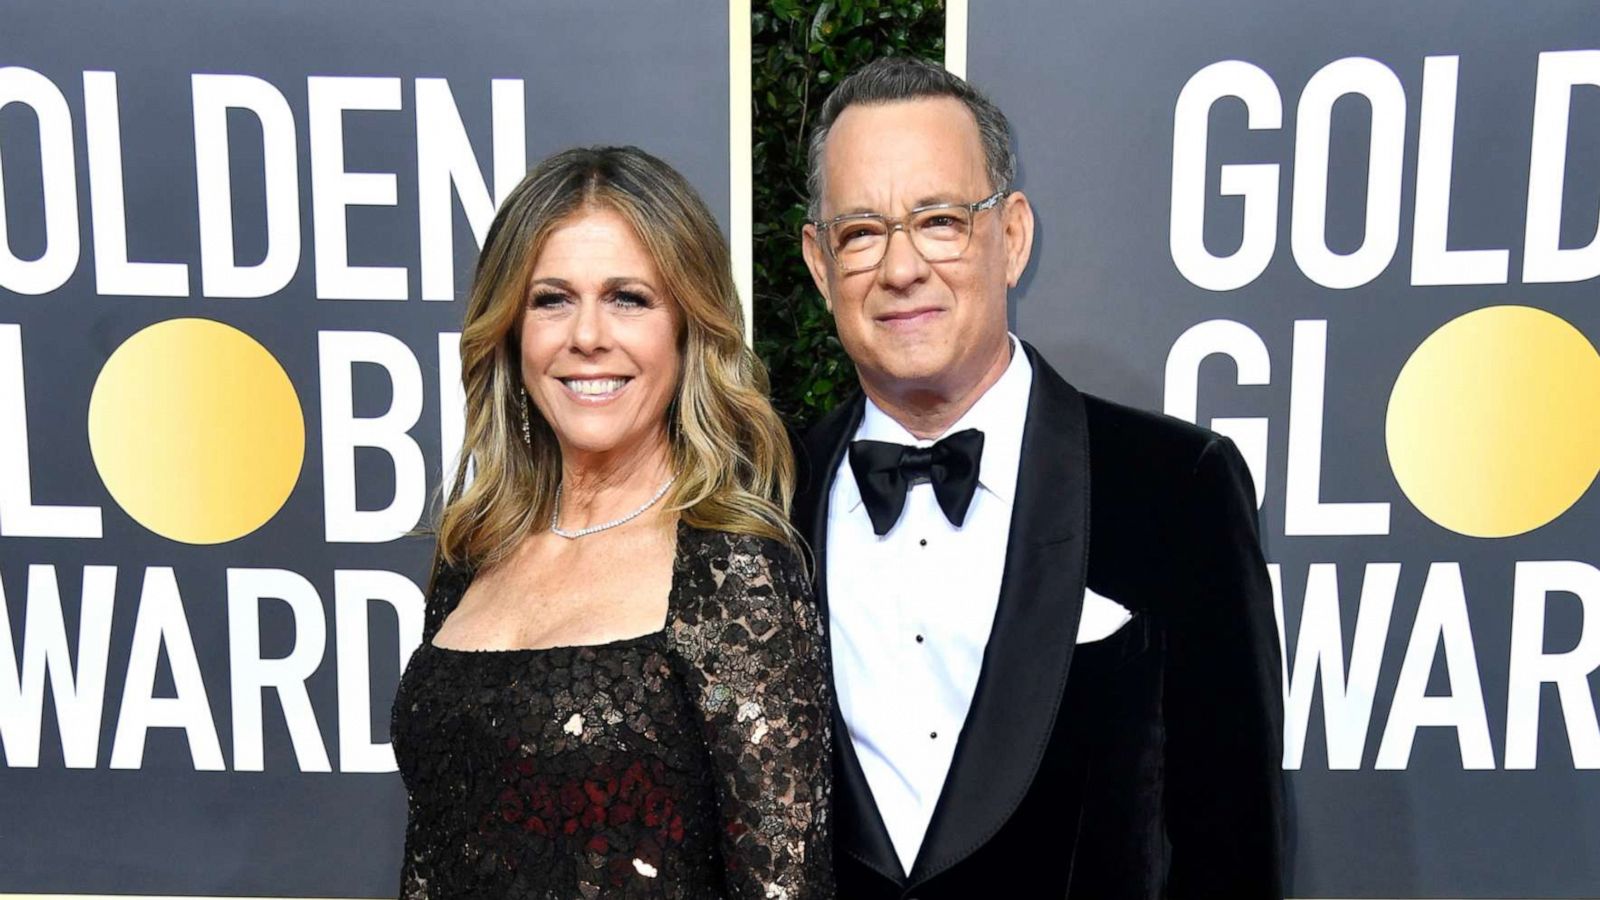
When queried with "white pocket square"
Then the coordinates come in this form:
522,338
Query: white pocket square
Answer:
1102,617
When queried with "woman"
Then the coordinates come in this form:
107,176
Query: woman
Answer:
622,687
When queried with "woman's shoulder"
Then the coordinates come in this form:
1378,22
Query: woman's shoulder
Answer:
446,584
741,556
727,575
449,580
728,543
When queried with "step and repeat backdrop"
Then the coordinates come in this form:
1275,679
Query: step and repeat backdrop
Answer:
233,242
1360,238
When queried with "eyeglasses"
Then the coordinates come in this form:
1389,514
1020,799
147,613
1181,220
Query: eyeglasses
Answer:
941,232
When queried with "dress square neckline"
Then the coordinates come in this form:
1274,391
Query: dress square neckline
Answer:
673,591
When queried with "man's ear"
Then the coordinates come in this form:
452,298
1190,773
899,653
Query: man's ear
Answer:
1017,223
815,261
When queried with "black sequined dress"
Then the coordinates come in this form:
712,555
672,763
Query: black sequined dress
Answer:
688,763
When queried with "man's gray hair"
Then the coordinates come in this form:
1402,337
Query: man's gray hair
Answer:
897,78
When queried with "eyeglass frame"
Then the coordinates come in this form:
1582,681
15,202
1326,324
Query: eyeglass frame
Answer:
902,223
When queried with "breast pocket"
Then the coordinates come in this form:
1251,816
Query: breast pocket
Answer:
1109,634
1102,617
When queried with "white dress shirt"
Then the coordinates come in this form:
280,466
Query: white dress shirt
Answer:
910,612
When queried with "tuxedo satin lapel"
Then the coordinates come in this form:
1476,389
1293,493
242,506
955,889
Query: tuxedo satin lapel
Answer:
1025,665
858,826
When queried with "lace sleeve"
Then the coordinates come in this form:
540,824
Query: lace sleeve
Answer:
413,880
757,670
445,587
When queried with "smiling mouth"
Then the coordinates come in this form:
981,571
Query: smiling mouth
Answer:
910,316
594,389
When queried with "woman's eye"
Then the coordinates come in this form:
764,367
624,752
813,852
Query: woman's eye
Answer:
547,300
630,300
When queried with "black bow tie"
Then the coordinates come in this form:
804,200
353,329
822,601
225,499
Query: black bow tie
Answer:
884,471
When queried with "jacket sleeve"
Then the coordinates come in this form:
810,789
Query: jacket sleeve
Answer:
1223,696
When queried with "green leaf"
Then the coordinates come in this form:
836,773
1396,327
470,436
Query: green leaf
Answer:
800,49
819,22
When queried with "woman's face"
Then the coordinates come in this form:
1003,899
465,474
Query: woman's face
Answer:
599,337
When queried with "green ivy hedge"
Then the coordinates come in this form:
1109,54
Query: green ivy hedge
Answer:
799,50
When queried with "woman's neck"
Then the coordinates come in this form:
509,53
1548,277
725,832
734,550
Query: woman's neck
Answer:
599,487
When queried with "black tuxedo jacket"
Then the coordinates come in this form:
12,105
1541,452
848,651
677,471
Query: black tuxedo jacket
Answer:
1144,765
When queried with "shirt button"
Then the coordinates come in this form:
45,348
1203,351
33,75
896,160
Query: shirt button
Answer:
923,542
933,735
919,638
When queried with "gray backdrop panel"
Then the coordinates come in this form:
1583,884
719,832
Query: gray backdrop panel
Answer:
1091,90
612,71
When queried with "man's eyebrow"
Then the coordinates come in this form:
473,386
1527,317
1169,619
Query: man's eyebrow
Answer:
925,200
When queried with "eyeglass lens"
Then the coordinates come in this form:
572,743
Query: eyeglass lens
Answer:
940,234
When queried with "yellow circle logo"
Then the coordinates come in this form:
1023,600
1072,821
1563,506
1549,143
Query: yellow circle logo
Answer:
196,431
1494,423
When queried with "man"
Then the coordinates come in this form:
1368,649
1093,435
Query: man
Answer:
1052,632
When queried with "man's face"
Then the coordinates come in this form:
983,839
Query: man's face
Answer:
908,324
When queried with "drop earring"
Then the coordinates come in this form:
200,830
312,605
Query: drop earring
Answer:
527,433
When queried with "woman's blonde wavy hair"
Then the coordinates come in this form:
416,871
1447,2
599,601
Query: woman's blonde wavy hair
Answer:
728,448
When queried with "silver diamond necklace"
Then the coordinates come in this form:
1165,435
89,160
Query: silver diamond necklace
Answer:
555,514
